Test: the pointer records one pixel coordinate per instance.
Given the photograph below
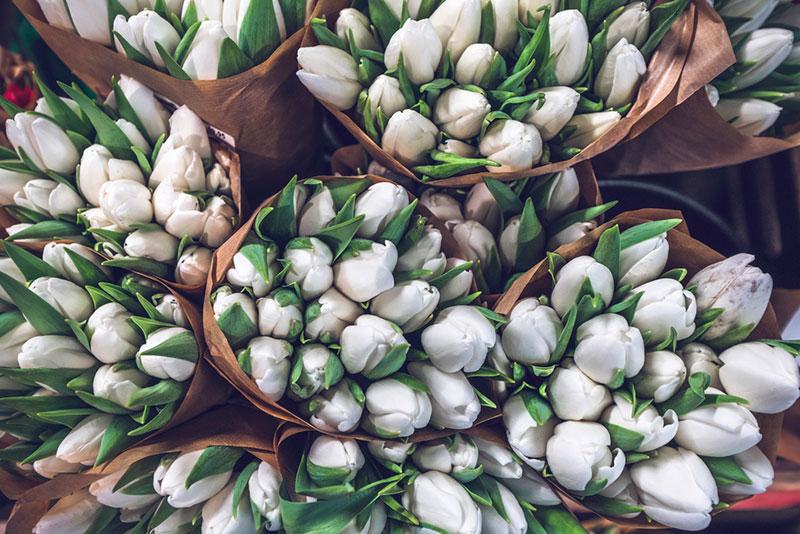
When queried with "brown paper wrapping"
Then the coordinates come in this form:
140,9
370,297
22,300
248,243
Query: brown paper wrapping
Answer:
266,109
684,251
694,52
692,137
229,425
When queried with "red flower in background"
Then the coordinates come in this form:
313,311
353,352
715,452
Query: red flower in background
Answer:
19,95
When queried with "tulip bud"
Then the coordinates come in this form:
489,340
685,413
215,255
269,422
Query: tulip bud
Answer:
53,352
365,274
643,262
317,213
12,341
82,444
569,45
270,364
370,345
12,184
623,490
434,492
206,9
264,488
395,408
202,58
656,430
661,376
135,137
224,298
152,360
751,116
379,204
112,336
67,298
157,245
183,166
481,206
51,467
760,53
354,21
119,383
455,454
126,203
460,113
64,202
244,273
169,480
607,348
525,435
571,277
57,14
409,305
459,339
55,254
458,25
474,63
280,315
30,133
35,195
633,25
458,286
586,128
475,240
497,460
390,451
96,218
384,93
574,396
513,519
409,136
676,489
328,316
665,305
310,266
74,513
699,358
142,31
98,167
531,333
532,8
193,266
532,488
620,74
570,234
580,458
764,375
459,148
90,18
103,491
713,95
337,409
425,255
169,307
330,74
151,113
187,130
319,369
758,469
558,108
454,403
334,461
516,146
419,44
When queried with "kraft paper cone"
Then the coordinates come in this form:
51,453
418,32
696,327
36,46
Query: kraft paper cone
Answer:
684,251
265,109
692,137
662,88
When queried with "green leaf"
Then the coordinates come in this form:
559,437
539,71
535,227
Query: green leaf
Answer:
726,471
343,188
104,405
182,347
43,317
531,239
115,438
583,215
538,408
51,229
24,428
237,326
662,16
142,265
90,273
690,398
396,228
642,232
32,267
172,66
54,379
623,438
126,111
294,14
33,405
69,417
9,107
48,447
608,250
390,363
506,198
279,223
232,60
213,461
163,417
610,507
338,236
241,485
25,215
444,278
258,34
564,337
164,392
63,114
487,24
383,19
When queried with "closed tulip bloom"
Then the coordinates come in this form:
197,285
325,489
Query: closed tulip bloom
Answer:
56,14
35,195
142,31
492,521
164,367
419,44
559,107
280,315
157,245
532,488
379,204
170,308
135,137
509,241
206,9
96,218
459,148
758,469
169,480
409,305
328,316
354,21
497,460
390,451
475,240
665,305
341,458
409,137
396,7
244,274
9,268
54,352
570,234
754,14
51,467
760,53
90,18
74,513
310,266
202,58
740,289
103,491
571,277
64,202
317,213
44,142
457,287
588,127
459,339
607,347
426,255
569,45
623,490
270,363
531,333
661,376
699,358
644,261
364,276
56,256
474,63
264,488
575,396
437,499
337,409
481,206
458,25
118,383
112,336
620,74
532,8
126,203
676,489
12,342
764,375
505,23
713,95
318,368
11,184
150,111
460,113
633,25
67,298
367,343
384,93
82,444
579,454
330,74
718,430
656,430
516,146
224,298
525,436
395,410
751,116
183,165
455,454
98,166
454,403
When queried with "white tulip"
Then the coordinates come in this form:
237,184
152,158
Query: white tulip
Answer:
329,315
186,129
12,342
758,469
390,451
474,63
160,366
57,14
74,513
516,146
234,13
280,315
607,348
459,113
206,9
475,240
497,460
751,116
112,336
90,18
459,148
96,218
531,333
620,74
367,343
270,363
409,305
384,93
157,245
170,308
455,454
151,113
126,203
202,58
575,396
396,7
103,491
55,254
665,305
82,444
525,435
67,298
587,128
44,142
569,45
532,488
364,275
644,261
337,409
426,254
98,166
244,274
310,266
317,213
183,165
505,23
766,376
713,95
623,490
51,467
492,521
179,521
418,42
224,298
459,339
330,74
662,374
760,53
458,25
142,31
54,352
169,480
676,489
699,358
409,136
395,409
718,430
375,524
454,403
656,430
135,137
579,456
438,500
264,488
481,206
633,25
222,516
570,234
35,195
740,289
532,8
457,287
118,383
65,202
572,276
379,204
559,107
318,367
12,184
354,21
341,458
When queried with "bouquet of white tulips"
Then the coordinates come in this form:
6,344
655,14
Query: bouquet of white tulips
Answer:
341,302
91,359
143,184
503,86
629,383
